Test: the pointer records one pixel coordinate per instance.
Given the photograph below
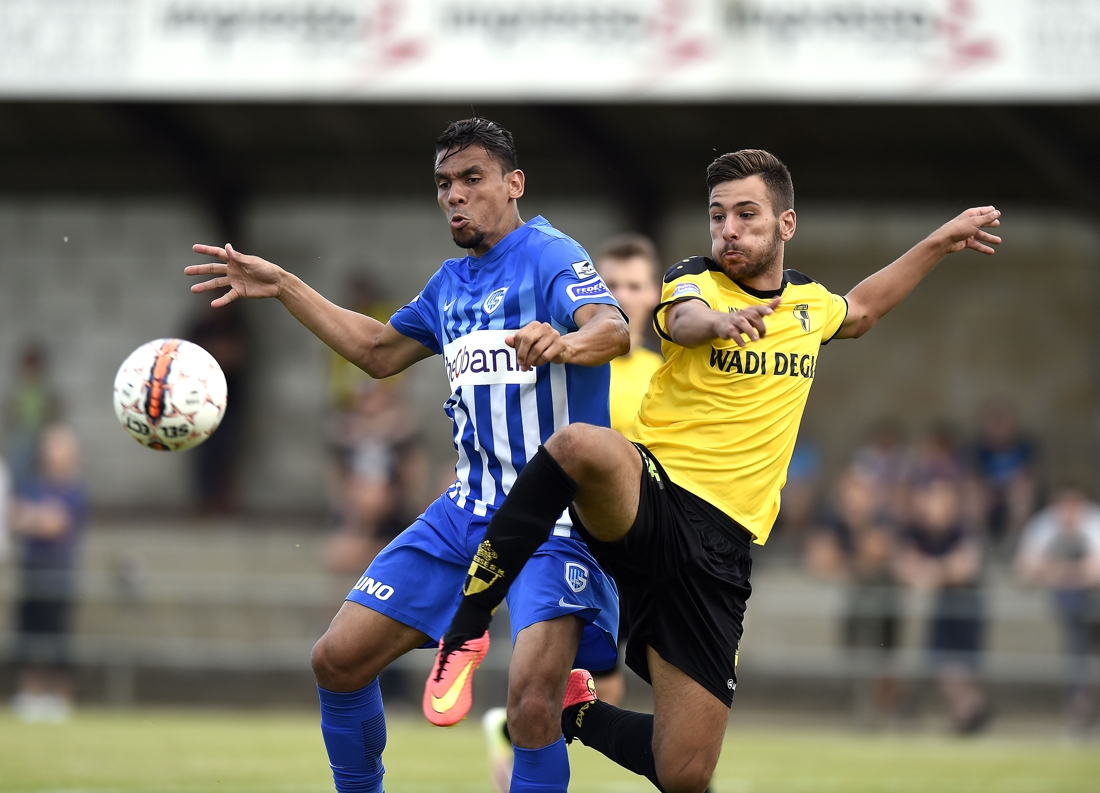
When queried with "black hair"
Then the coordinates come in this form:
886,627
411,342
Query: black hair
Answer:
477,131
755,162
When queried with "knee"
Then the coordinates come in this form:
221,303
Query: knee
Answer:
334,668
534,716
572,447
677,776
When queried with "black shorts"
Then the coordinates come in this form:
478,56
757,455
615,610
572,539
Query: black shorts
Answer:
683,576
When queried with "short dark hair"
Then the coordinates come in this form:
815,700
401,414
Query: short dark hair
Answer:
629,246
477,131
755,162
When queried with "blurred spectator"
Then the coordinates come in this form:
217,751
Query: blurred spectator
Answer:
31,408
1060,551
798,504
856,547
222,333
939,555
48,518
383,475
5,496
884,459
1004,461
629,266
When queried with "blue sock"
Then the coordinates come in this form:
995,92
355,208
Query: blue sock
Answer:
354,729
544,770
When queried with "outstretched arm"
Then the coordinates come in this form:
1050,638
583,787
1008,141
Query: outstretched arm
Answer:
878,294
376,348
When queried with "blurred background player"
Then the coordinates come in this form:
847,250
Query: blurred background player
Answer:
631,269
630,266
1060,551
48,519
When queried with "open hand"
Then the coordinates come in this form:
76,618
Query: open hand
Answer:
966,231
246,276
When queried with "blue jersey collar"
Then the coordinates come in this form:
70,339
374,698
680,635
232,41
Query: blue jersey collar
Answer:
509,241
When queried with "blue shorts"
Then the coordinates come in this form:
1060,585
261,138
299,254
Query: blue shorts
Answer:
417,580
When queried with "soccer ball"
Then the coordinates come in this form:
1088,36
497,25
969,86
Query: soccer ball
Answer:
170,395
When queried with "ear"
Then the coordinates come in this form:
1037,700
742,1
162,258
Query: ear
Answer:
515,181
787,223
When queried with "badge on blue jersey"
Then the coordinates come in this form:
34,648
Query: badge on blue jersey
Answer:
576,575
587,289
584,269
493,301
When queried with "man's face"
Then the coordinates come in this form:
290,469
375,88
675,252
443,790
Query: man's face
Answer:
632,284
475,194
745,234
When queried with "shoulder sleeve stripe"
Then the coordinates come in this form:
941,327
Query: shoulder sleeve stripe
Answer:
696,265
841,325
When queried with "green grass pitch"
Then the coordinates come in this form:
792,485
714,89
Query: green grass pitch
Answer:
191,752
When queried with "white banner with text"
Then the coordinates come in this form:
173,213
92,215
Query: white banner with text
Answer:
619,50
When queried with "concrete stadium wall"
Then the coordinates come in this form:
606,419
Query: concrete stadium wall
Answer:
94,279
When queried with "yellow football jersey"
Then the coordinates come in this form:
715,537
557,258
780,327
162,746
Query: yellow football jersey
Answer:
722,419
629,382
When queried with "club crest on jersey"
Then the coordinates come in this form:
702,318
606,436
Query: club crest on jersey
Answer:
493,301
576,575
584,269
594,287
802,314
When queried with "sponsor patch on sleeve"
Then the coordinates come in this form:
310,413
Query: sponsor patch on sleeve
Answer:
584,269
686,288
588,289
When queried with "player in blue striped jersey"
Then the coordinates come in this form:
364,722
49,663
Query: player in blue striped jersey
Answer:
526,328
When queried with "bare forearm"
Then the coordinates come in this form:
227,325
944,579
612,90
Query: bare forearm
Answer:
598,341
693,328
352,335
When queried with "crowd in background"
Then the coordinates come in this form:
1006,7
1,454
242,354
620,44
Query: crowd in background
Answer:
933,515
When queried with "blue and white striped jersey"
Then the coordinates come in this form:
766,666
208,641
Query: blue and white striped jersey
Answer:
501,414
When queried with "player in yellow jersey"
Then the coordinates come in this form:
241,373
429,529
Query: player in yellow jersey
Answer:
673,516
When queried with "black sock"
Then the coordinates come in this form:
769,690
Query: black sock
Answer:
623,736
520,526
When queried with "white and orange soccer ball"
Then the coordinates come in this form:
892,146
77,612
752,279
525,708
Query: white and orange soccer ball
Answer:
170,395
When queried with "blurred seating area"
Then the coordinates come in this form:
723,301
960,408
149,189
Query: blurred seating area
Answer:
949,556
